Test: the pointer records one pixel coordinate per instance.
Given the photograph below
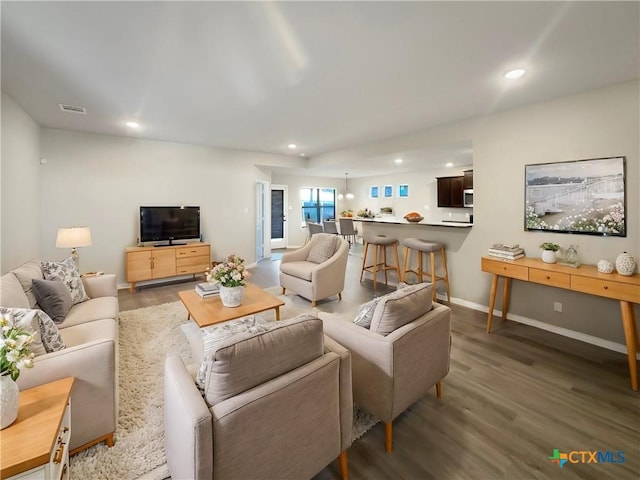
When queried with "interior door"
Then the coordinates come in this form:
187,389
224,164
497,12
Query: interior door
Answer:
261,189
279,231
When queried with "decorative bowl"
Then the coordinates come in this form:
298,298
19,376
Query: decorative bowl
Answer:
414,219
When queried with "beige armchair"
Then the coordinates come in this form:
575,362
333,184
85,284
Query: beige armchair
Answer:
391,371
267,411
317,270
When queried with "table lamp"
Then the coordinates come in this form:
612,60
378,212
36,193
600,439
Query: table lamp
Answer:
73,238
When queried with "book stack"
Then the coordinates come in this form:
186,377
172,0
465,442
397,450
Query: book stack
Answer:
207,289
508,252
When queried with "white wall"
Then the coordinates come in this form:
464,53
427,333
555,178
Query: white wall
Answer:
594,124
20,180
100,181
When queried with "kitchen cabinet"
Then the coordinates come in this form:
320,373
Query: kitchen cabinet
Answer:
450,191
468,180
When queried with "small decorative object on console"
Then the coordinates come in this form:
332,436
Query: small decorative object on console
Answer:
605,266
625,264
413,217
549,250
365,213
572,258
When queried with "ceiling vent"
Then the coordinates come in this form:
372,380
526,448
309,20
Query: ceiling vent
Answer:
72,109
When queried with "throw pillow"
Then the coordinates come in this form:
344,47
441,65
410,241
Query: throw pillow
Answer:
365,313
67,271
401,307
213,336
323,246
53,297
26,319
47,337
25,273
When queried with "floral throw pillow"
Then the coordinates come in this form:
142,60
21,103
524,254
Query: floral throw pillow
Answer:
47,337
67,272
365,313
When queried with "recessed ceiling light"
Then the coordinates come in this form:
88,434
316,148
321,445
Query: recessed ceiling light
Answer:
292,146
449,164
133,124
513,74
398,160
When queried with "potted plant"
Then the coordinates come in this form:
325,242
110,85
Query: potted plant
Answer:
14,355
232,277
549,250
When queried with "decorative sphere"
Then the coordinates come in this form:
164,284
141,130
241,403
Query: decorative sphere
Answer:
625,264
605,266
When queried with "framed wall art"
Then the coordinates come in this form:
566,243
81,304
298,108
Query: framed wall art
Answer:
580,196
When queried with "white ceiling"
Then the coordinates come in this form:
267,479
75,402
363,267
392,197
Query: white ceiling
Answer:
324,75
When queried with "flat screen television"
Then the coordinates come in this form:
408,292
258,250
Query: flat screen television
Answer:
161,224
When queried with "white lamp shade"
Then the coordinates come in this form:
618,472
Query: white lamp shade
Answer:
73,237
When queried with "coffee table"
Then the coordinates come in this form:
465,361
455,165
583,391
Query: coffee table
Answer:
209,311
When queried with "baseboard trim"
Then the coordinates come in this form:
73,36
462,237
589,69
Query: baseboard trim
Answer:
565,332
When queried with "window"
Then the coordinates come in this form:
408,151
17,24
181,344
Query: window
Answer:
374,192
403,190
318,204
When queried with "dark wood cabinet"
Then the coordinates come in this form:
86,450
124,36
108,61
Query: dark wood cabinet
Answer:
450,191
468,179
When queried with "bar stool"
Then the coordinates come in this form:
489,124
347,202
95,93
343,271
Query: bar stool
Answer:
425,246
377,266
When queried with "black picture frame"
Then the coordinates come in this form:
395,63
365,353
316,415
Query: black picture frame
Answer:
578,196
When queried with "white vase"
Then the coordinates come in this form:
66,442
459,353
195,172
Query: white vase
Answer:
231,296
8,401
548,256
625,264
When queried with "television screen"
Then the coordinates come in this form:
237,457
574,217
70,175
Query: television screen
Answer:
169,223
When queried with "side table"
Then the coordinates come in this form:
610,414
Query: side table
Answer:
36,445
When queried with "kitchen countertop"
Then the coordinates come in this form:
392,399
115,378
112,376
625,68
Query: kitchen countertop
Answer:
402,221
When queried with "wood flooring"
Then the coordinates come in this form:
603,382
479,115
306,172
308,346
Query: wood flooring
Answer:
510,399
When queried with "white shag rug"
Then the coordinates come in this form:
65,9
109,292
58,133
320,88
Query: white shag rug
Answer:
147,336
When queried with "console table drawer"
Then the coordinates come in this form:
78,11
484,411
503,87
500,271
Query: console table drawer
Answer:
605,288
505,269
192,251
545,277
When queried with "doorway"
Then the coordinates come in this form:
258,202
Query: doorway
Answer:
261,217
279,230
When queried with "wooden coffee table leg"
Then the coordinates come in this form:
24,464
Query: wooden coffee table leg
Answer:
277,313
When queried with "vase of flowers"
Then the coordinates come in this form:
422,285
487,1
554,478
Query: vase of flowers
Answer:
549,250
232,277
14,355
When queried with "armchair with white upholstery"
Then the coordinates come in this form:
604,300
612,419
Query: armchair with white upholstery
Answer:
267,411
316,271
403,353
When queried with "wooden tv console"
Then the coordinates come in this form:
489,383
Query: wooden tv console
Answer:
152,263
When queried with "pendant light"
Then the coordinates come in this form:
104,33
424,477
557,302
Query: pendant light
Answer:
347,194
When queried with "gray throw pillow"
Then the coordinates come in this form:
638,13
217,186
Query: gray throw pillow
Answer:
53,297
401,307
68,273
323,247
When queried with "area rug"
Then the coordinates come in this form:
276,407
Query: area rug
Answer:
146,337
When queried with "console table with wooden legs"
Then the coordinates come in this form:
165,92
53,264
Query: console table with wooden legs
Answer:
585,279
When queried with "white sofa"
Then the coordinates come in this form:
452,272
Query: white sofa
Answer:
90,333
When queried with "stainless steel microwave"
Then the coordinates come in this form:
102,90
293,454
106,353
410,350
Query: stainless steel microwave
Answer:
468,197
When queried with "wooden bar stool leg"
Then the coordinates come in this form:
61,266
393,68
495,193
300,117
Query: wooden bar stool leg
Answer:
384,264
398,275
432,258
420,267
446,272
375,264
364,260
405,261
